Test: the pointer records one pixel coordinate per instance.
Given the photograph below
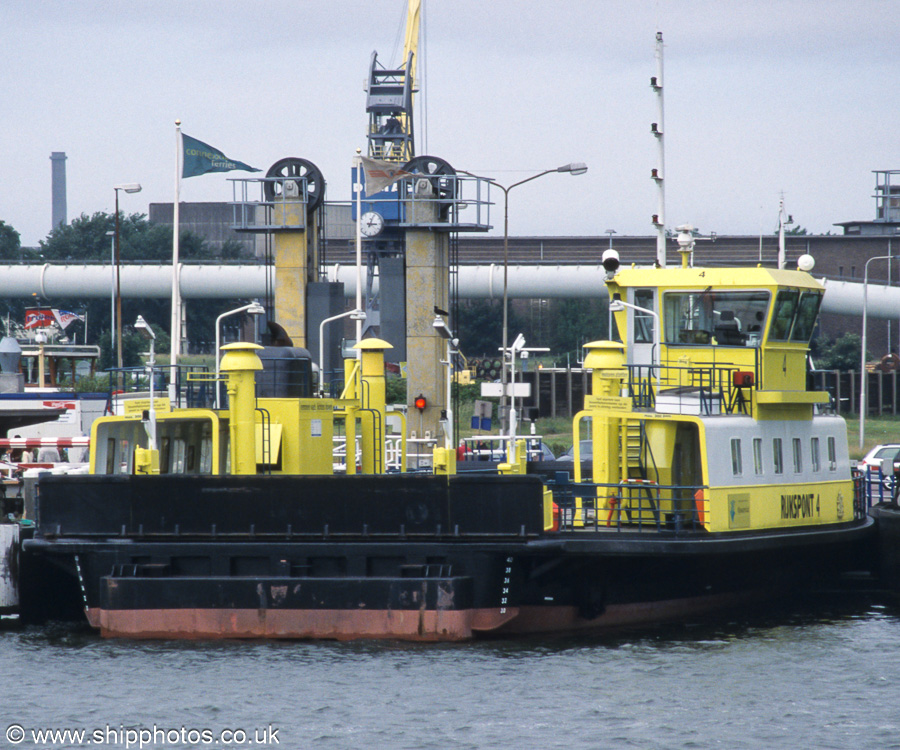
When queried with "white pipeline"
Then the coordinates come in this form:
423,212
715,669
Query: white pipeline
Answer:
52,282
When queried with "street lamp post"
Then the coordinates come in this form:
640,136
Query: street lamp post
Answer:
575,168
440,326
146,331
863,380
511,453
41,339
112,293
128,187
254,308
357,315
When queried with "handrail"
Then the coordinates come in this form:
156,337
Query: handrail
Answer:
630,505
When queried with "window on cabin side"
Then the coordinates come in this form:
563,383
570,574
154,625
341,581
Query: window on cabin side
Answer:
178,451
164,455
798,455
736,466
776,455
814,453
643,321
124,455
757,456
832,455
111,456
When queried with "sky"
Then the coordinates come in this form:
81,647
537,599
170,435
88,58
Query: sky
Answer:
763,99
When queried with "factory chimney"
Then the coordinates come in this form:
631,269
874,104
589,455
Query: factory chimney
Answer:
58,188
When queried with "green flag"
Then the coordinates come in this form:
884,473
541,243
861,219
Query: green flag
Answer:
200,158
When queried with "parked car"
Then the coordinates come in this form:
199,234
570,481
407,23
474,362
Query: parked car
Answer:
872,460
586,448
879,467
477,448
541,453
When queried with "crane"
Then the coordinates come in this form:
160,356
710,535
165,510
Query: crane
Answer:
389,100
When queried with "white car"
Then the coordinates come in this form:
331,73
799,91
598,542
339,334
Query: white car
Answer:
877,469
873,459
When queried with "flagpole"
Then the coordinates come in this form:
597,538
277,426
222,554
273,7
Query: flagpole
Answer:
358,187
175,331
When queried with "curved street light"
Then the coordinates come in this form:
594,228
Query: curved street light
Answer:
128,187
143,327
863,379
618,305
254,308
355,314
574,168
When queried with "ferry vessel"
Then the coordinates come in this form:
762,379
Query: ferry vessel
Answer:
717,479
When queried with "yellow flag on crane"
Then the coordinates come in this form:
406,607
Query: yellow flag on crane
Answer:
380,174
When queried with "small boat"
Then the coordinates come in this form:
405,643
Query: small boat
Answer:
717,479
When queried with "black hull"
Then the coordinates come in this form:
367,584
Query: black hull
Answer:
388,557
887,522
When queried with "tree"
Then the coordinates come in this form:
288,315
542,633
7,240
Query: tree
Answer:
575,322
10,242
88,238
837,354
85,238
480,327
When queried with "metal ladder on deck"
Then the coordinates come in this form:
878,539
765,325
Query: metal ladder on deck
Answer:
635,452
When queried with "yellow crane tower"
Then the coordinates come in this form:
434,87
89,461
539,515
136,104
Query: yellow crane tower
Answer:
390,98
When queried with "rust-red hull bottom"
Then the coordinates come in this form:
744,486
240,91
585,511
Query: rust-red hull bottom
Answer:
410,625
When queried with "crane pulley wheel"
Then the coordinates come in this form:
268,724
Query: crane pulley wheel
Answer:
429,165
295,167
434,165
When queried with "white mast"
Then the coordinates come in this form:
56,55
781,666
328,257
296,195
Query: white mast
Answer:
782,221
657,128
175,328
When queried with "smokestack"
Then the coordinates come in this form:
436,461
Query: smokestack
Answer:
58,188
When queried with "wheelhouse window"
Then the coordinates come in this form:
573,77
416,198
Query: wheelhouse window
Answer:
807,313
708,317
776,455
783,314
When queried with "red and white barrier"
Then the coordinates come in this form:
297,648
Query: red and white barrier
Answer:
47,442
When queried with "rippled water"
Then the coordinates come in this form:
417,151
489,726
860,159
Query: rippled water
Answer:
812,675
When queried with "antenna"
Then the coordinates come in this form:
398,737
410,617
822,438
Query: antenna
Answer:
657,175
783,220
